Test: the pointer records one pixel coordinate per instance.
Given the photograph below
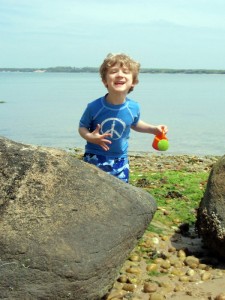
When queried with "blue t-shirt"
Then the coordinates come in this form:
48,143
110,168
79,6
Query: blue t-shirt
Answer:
114,119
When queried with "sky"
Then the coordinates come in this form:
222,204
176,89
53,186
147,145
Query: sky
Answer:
177,34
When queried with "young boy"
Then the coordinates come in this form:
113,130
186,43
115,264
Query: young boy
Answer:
106,122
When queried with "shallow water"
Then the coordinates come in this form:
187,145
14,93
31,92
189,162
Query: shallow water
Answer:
45,108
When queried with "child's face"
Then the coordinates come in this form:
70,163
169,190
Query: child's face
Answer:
118,79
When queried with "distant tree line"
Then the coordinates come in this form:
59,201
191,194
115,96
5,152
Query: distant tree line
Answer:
95,70
184,71
52,69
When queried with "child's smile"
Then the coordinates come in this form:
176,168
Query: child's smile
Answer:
119,79
119,82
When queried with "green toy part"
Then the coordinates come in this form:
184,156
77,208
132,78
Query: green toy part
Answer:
163,145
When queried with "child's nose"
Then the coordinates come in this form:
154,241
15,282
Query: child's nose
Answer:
120,73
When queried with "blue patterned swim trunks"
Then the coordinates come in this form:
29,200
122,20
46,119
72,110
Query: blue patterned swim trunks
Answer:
118,167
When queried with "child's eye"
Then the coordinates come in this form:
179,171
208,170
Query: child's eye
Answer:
113,71
126,71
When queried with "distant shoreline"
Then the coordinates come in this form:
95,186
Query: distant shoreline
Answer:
95,70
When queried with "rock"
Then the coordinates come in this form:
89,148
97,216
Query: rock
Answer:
220,296
192,262
66,227
210,222
152,267
129,287
206,276
150,287
156,296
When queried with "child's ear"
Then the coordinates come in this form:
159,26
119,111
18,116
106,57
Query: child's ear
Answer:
135,82
105,83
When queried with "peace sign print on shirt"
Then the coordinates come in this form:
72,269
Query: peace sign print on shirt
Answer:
114,126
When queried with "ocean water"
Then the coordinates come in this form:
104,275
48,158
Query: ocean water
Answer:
45,108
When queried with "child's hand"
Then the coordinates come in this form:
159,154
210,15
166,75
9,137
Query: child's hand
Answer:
100,139
162,128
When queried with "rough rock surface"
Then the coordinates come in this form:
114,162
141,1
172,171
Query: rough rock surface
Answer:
66,227
211,213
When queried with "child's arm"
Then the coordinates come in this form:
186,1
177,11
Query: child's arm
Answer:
95,137
141,126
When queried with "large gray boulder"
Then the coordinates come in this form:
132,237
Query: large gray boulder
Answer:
66,227
211,213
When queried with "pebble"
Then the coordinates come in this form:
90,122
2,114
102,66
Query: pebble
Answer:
190,272
192,262
150,287
135,258
129,287
158,269
184,278
152,267
220,296
181,254
168,286
156,296
206,276
119,294
123,278
133,270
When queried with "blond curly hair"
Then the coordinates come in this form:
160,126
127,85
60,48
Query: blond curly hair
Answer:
123,60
